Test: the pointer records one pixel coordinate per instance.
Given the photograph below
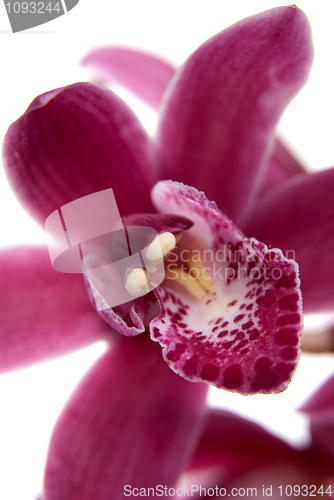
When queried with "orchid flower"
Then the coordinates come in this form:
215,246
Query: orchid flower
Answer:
132,420
235,453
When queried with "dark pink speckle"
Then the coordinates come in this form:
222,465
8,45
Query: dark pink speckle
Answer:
190,366
176,354
209,372
286,336
232,377
288,319
289,303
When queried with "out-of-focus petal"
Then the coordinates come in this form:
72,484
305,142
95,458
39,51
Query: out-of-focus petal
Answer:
282,165
75,141
130,422
143,74
322,432
299,218
237,444
242,332
237,453
44,314
225,101
321,403
320,407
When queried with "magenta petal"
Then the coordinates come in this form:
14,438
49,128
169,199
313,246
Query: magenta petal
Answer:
75,141
282,165
44,314
130,422
160,222
133,317
244,335
320,407
143,74
322,432
299,218
237,444
321,404
225,102
237,453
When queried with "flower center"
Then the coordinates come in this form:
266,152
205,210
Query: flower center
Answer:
137,281
188,272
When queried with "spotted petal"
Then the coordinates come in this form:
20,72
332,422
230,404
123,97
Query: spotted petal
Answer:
242,332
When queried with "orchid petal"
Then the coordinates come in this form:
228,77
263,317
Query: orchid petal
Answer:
321,404
277,480
75,141
237,444
160,222
322,432
131,421
44,314
320,408
298,218
133,317
145,75
225,101
282,165
234,452
244,335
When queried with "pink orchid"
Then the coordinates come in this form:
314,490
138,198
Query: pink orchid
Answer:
132,420
234,454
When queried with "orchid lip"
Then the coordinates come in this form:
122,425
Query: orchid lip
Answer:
230,307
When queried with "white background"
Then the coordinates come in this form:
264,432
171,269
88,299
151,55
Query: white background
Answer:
47,57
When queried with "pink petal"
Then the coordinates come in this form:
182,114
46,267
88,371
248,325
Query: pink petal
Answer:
321,404
129,319
282,166
160,222
279,479
237,444
236,453
225,102
322,432
320,408
133,317
143,74
244,336
130,422
44,314
75,141
299,218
